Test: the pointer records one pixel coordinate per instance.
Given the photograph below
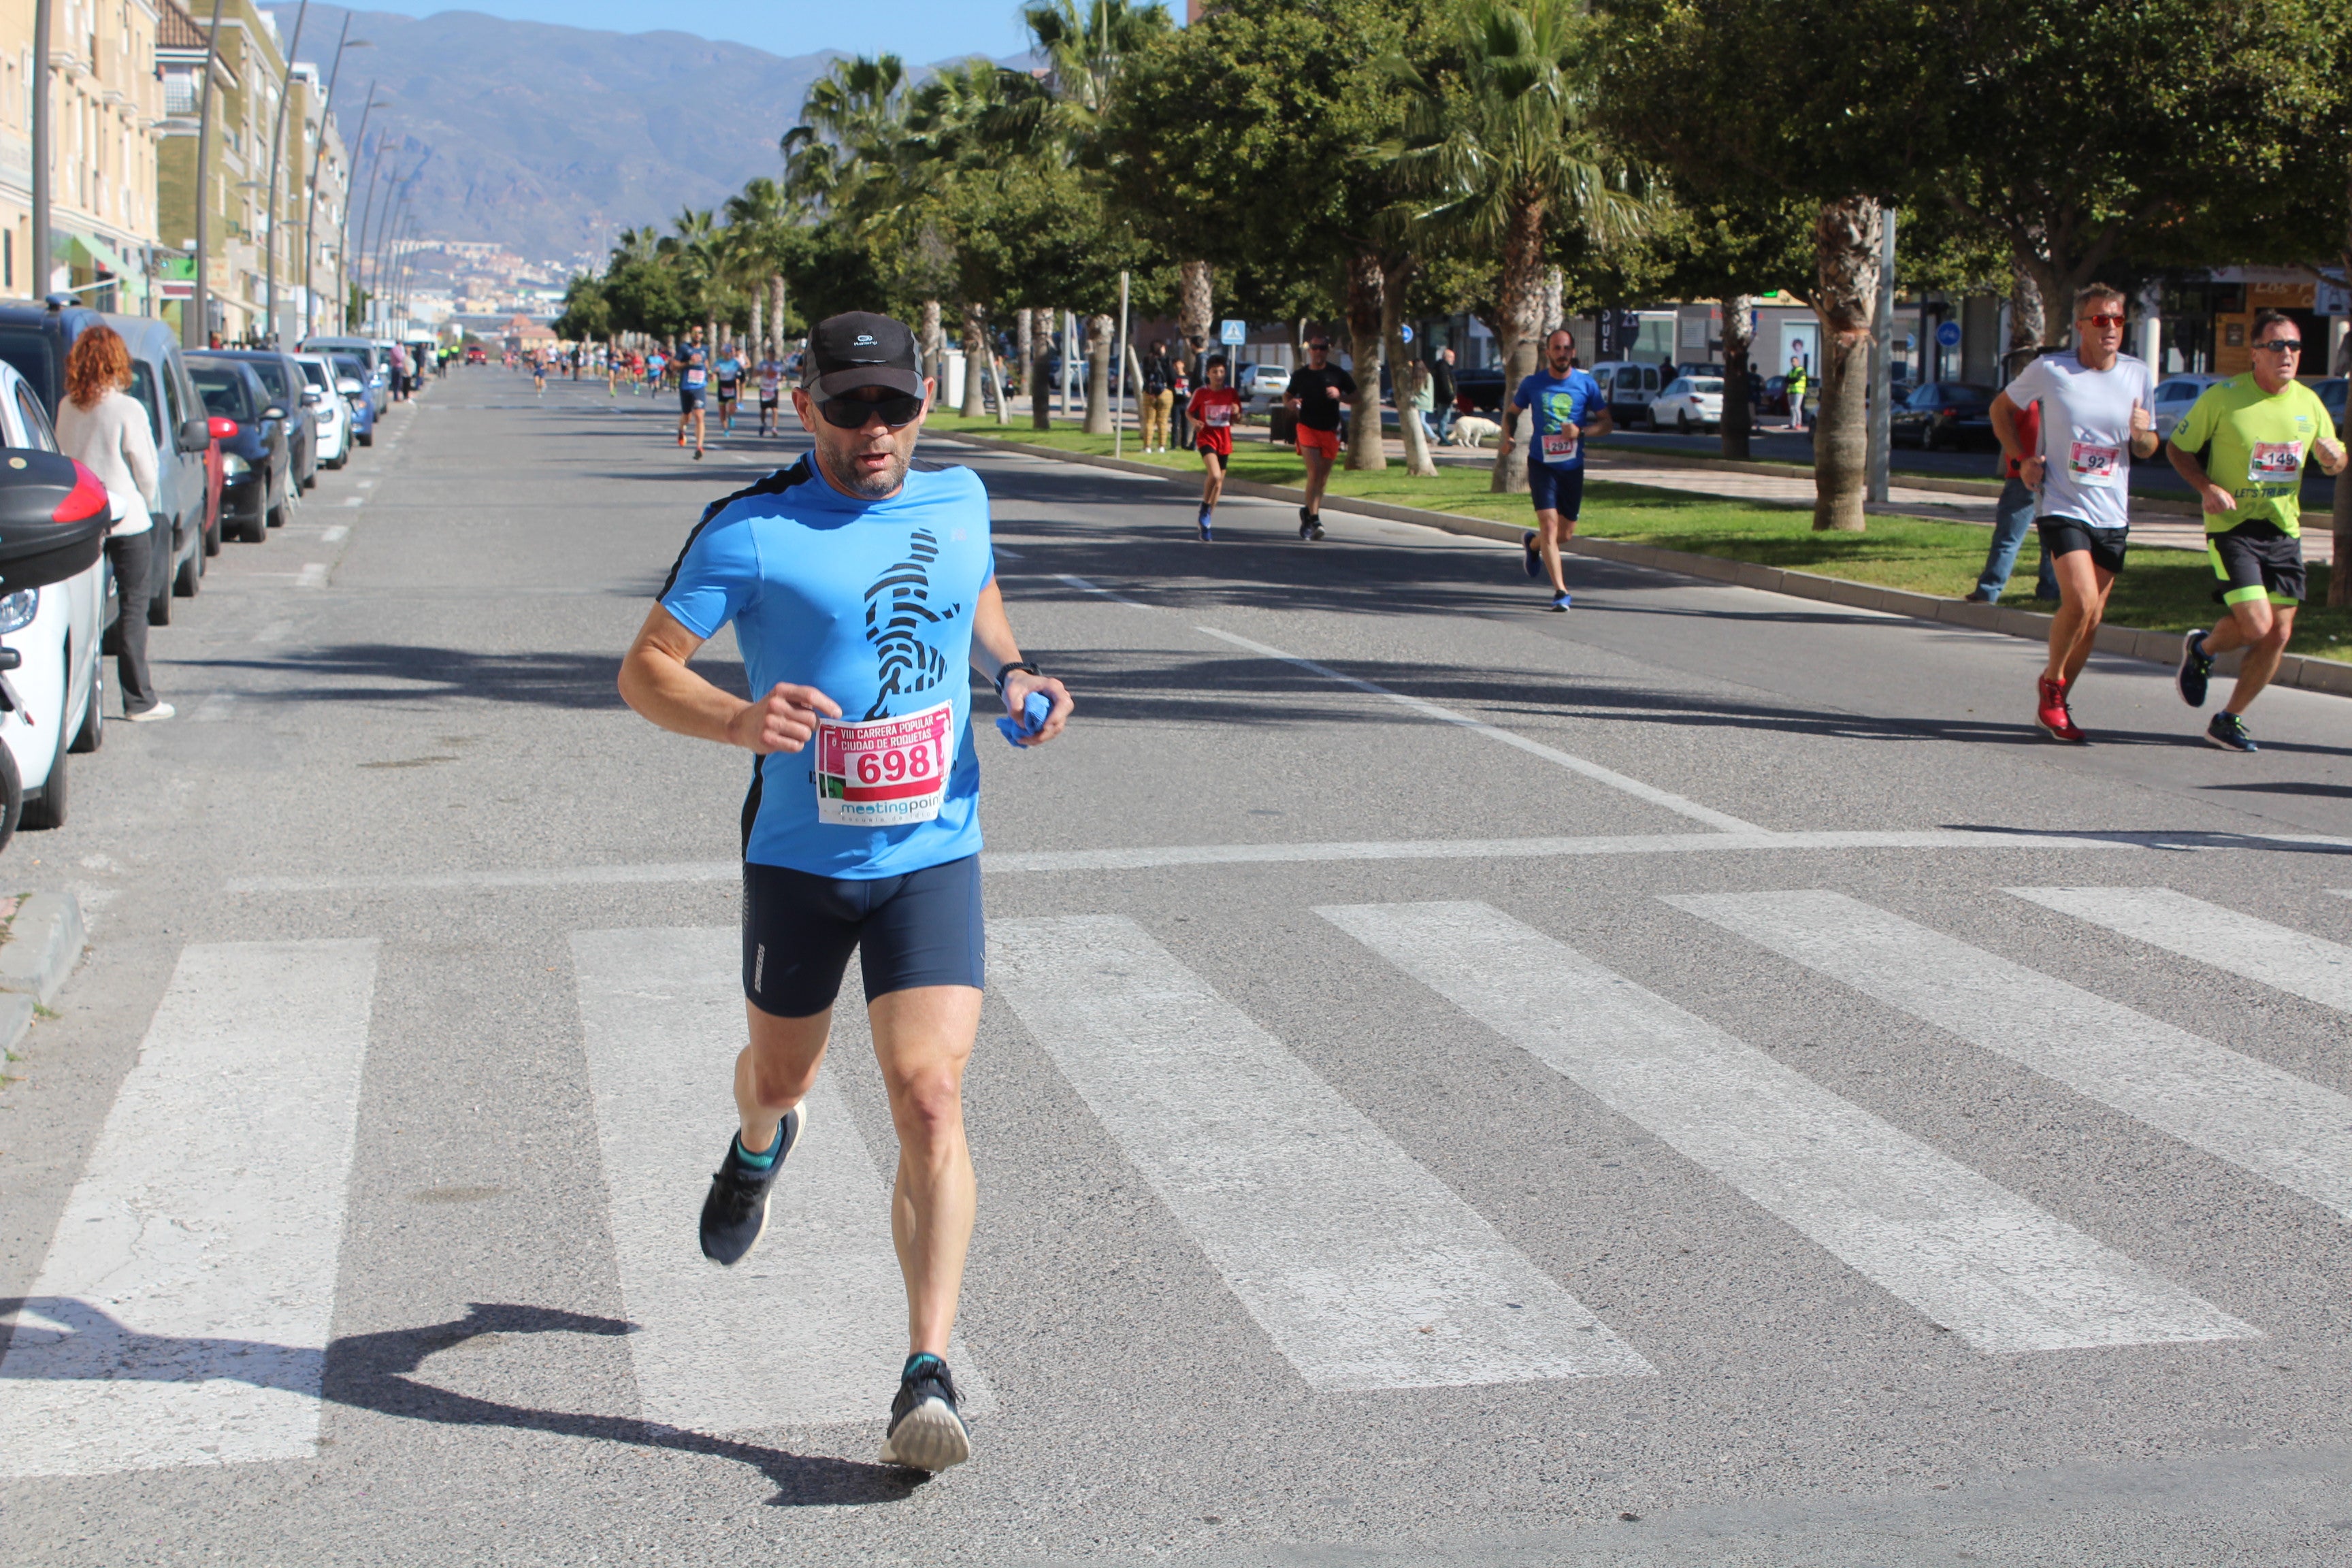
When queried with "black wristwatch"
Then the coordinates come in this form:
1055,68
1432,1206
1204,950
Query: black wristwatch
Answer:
1017,664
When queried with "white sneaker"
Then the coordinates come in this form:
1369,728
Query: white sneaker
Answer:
161,711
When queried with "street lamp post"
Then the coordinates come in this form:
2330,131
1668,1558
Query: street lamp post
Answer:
343,228
277,147
196,324
40,89
318,161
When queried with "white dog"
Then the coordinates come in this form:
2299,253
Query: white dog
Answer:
1473,431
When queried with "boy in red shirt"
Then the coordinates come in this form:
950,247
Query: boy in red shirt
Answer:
1213,411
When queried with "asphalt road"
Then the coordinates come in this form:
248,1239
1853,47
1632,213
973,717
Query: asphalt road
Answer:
1459,1084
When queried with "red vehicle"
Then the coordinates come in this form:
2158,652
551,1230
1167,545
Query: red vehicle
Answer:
214,472
474,355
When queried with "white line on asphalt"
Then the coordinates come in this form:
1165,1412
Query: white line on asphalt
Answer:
1085,588
334,535
2272,955
312,575
1592,770
1006,554
355,501
276,631
1156,858
213,708
810,1327
1364,1270
2280,1127
366,483
1967,1253
183,1313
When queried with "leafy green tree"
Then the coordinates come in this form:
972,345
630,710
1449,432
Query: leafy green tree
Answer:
587,315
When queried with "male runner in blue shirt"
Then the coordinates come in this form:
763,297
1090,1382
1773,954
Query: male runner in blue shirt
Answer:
1568,407
860,590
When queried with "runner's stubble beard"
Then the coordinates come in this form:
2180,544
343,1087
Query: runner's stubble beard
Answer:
839,450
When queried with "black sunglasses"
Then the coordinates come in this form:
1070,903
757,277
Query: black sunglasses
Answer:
897,411
2281,345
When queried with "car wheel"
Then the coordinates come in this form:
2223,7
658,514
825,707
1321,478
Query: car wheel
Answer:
47,809
191,574
367,438
12,796
91,734
310,481
278,515
257,528
1681,421
213,531
159,608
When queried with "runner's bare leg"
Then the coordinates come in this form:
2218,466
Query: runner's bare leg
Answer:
922,1038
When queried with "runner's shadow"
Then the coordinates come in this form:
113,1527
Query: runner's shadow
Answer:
70,1341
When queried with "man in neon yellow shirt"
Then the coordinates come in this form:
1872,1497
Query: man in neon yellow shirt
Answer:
2259,428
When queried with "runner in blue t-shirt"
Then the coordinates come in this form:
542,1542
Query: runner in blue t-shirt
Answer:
693,387
1568,409
859,591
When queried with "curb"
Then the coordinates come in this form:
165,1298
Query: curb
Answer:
2157,648
44,942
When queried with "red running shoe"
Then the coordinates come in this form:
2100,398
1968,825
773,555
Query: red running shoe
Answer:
2053,715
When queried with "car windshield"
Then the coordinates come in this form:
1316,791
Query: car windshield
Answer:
223,391
313,371
273,375
2178,392
1708,384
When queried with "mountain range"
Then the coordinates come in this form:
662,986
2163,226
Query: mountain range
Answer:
550,140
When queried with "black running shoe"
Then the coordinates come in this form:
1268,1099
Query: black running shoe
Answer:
2229,732
2196,669
926,1431
1315,526
735,1212
1305,521
1534,562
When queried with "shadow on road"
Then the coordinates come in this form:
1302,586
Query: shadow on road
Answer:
403,672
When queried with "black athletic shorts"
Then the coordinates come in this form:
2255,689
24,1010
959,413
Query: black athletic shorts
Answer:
2255,561
2065,535
921,929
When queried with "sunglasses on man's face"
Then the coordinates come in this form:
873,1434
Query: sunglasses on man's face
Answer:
897,411
2115,322
2281,345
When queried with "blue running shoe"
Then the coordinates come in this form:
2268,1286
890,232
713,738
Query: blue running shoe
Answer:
735,1211
1559,603
2196,669
926,1432
1206,533
2229,732
1534,557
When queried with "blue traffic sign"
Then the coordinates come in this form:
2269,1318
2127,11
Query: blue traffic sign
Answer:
1404,332
1234,332
1948,334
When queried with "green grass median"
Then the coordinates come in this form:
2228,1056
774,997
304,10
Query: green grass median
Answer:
2160,590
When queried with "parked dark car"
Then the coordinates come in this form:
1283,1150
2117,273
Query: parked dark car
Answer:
1944,414
2331,396
35,339
1478,391
289,390
257,481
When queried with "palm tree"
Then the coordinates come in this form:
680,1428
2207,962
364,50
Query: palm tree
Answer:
757,223
1499,138
696,248
1085,52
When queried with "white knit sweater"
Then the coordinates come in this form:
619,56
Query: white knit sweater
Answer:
112,441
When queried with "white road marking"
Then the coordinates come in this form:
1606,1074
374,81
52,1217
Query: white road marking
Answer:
213,708
1592,770
1967,1253
1364,1270
1084,586
276,631
366,483
2255,950
812,1327
355,501
1017,862
312,575
181,1316
335,535
2280,1127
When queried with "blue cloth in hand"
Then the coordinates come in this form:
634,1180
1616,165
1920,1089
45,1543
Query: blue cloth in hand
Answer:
1034,714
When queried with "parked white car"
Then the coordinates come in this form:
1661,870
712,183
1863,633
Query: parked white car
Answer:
2174,396
49,630
328,407
1688,402
1262,386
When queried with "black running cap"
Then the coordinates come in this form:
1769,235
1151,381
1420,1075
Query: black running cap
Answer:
858,348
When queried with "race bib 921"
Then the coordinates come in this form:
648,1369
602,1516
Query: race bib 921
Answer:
885,773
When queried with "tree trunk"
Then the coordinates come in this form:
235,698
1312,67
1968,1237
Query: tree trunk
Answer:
759,329
1024,345
1520,312
1098,328
1041,396
1845,246
2026,320
1194,309
783,333
1406,369
1365,316
975,361
1737,347
2339,574
710,331
1555,289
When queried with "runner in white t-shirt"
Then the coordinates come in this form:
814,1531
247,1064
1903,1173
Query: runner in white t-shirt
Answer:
2096,419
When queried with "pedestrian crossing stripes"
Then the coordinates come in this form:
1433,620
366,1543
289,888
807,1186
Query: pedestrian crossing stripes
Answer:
2280,1127
182,1315
1972,1257
811,1327
1363,1268
2307,966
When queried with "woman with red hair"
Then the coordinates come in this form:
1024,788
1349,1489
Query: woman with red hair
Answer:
105,429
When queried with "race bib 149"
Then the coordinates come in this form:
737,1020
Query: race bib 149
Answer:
2274,463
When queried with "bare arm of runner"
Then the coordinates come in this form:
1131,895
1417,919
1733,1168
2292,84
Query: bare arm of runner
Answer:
1604,426
2185,464
993,647
2004,429
656,682
2143,427
2330,454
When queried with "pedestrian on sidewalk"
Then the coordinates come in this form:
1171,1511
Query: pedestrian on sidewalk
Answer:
102,427
1215,408
1796,384
1568,409
2012,519
1315,397
1159,397
2256,430
1181,383
1443,391
2095,418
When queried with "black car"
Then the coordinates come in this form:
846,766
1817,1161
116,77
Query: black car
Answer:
257,482
289,390
1478,391
1944,414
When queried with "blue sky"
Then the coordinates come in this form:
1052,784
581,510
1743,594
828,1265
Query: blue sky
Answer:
921,30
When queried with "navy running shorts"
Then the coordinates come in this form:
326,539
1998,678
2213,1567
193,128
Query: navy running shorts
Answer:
1557,489
919,929
689,398
2065,535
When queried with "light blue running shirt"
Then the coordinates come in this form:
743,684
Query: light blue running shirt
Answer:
869,602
